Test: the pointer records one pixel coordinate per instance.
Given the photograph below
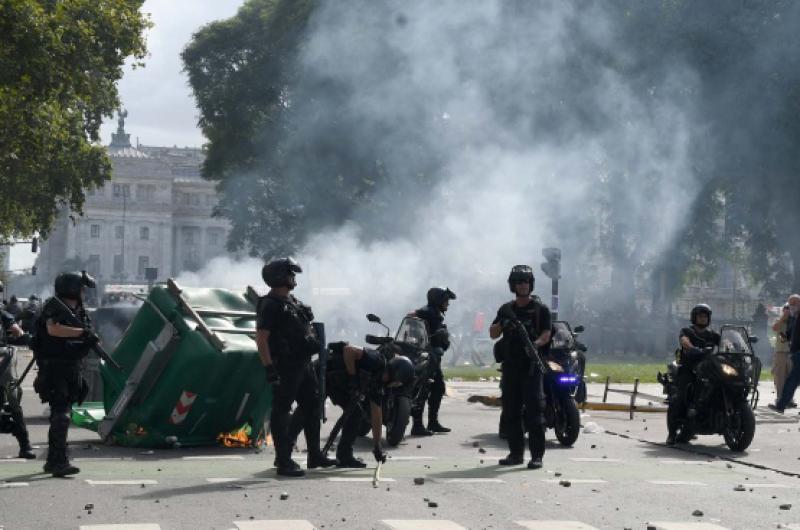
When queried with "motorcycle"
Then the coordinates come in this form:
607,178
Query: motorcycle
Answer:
734,392
9,389
410,341
564,384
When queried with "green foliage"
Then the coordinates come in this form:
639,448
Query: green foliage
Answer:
59,64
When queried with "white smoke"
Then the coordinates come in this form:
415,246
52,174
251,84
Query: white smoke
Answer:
507,186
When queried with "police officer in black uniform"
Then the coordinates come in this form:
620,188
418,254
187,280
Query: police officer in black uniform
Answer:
696,343
286,341
433,315
59,345
353,376
12,419
522,383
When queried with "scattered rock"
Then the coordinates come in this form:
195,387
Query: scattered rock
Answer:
557,473
785,506
419,447
419,481
432,504
739,488
697,513
594,446
284,496
481,461
729,466
476,444
89,506
141,486
158,501
565,483
482,450
592,428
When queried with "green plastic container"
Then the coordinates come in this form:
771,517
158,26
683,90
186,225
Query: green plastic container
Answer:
191,373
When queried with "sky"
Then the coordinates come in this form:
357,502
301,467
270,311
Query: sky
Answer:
160,105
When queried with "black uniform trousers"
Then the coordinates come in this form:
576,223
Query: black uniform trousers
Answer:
436,391
523,403
60,384
297,383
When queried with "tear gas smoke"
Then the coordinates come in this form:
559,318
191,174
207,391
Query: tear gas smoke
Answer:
537,138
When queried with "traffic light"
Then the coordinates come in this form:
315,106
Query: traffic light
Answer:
552,267
34,245
33,270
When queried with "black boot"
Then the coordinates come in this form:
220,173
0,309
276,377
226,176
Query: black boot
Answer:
433,420
25,448
62,469
319,460
418,429
671,439
290,468
57,462
536,444
511,460
347,460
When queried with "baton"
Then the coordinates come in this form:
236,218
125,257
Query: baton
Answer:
18,382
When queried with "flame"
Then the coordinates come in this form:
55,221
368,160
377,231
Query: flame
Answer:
241,438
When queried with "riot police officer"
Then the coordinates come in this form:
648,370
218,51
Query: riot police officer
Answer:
63,338
12,419
433,315
355,375
522,383
286,341
696,342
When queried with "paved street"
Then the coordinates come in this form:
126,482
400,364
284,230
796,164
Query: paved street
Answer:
619,476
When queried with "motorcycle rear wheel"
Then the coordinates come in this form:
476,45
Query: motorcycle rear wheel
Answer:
397,428
739,434
568,422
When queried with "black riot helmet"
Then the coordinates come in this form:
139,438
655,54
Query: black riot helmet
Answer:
401,370
437,297
700,309
280,272
69,284
521,274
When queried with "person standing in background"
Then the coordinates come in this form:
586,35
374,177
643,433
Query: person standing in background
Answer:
781,364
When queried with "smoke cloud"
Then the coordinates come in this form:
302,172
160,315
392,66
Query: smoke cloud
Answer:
534,133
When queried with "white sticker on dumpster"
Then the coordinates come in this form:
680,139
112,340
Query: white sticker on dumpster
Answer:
182,407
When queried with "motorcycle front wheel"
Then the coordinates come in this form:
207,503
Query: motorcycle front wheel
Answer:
741,428
567,422
397,428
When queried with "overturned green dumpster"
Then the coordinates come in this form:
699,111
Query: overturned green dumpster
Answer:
191,374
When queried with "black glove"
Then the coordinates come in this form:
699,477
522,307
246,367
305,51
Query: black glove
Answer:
506,312
272,374
90,338
379,455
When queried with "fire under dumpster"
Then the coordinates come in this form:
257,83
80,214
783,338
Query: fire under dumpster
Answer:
191,374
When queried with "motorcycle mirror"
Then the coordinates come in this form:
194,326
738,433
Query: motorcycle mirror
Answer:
583,348
373,318
753,339
579,329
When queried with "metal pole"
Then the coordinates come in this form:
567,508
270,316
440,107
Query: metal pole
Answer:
554,305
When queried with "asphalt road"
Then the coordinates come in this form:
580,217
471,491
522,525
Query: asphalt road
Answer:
619,476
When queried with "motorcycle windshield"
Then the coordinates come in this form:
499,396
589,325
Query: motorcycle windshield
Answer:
734,340
562,336
412,332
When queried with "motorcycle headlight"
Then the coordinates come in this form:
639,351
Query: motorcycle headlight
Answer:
729,370
554,366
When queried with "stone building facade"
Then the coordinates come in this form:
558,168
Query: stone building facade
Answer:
155,213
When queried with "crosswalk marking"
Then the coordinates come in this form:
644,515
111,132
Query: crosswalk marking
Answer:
616,460
575,480
677,483
472,480
222,480
555,525
422,524
134,482
13,484
777,486
682,462
286,524
12,460
121,527
357,479
214,457
413,458
676,525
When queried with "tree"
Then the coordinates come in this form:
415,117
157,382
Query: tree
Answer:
59,65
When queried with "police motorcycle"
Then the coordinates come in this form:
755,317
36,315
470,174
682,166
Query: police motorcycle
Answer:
733,395
10,382
410,341
563,383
